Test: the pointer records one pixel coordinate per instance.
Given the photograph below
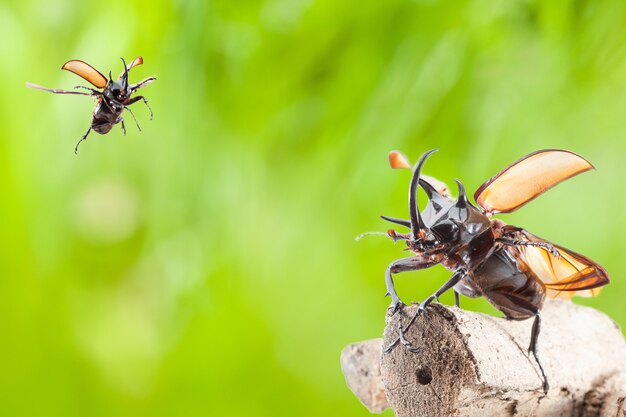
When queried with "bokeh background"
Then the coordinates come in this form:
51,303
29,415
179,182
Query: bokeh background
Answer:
207,265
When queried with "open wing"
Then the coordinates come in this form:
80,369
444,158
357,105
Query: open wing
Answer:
527,178
566,275
133,63
86,71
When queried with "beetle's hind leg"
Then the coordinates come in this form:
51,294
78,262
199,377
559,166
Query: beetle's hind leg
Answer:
517,307
533,348
81,139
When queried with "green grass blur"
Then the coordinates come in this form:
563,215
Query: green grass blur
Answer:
207,266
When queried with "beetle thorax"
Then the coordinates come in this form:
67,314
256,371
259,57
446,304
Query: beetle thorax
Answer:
451,226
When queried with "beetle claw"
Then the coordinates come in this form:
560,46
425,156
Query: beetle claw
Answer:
395,306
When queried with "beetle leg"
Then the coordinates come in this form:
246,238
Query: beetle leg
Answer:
533,348
58,91
134,87
454,279
145,101
525,309
404,340
457,299
402,265
93,91
134,118
81,139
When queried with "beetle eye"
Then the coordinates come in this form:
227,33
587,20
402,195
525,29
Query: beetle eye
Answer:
445,231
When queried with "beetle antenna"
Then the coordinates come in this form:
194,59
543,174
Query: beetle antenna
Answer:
417,223
362,235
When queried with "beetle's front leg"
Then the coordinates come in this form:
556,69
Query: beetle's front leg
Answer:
145,101
454,279
93,91
413,263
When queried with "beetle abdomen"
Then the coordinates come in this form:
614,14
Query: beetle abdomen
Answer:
510,287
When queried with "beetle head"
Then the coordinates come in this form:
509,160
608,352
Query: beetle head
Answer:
444,222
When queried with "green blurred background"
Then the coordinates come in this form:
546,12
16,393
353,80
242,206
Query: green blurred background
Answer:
207,266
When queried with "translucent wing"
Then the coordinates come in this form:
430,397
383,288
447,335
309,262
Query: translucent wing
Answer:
133,63
565,275
86,71
527,178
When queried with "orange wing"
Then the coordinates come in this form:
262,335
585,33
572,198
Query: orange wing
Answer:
86,71
527,178
566,275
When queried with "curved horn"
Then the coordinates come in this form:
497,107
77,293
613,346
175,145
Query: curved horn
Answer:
125,83
462,200
417,223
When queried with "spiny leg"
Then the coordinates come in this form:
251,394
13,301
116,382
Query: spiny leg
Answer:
145,101
391,289
134,118
402,338
121,120
134,87
526,309
454,279
93,91
402,265
81,139
533,348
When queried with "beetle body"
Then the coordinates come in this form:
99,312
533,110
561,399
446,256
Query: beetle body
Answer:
115,97
513,269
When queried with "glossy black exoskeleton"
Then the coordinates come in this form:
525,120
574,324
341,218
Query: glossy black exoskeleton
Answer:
115,97
513,269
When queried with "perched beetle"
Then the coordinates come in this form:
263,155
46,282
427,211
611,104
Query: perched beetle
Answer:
512,268
114,98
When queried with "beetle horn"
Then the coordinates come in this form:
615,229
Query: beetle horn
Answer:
431,192
417,223
125,83
462,200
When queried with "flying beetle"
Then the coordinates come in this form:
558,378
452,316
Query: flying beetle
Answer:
115,97
512,268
